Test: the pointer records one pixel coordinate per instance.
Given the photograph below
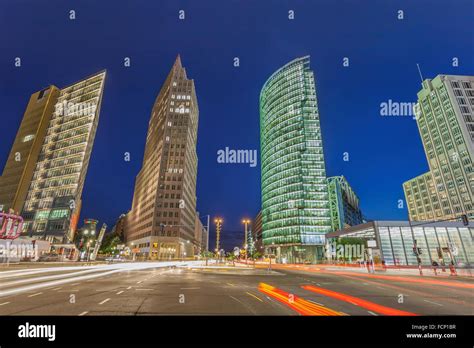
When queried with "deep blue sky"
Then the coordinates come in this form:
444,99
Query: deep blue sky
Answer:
383,52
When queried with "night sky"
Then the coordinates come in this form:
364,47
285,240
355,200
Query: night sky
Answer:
382,50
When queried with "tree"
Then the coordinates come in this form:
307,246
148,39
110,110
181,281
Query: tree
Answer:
207,255
110,243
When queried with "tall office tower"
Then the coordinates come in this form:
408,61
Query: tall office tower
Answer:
295,205
161,221
59,144
18,171
445,118
344,203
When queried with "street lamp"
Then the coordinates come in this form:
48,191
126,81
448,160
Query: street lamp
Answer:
218,221
246,223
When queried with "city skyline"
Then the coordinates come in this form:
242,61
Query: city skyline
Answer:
345,111
253,162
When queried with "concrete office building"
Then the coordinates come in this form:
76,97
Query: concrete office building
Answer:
161,223
344,203
445,118
45,171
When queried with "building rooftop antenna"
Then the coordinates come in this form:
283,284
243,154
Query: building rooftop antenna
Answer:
419,72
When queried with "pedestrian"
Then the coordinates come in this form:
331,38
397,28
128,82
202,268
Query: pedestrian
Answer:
452,269
435,267
384,265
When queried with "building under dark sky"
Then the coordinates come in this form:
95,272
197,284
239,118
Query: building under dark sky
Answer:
381,48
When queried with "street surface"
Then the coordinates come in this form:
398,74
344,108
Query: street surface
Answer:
190,288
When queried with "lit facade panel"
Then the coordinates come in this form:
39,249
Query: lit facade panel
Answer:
53,202
295,206
440,242
161,223
445,118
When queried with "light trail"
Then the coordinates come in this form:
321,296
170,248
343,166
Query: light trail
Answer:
380,276
358,301
296,303
106,270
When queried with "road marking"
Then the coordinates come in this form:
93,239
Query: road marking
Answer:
190,288
72,290
141,281
106,300
372,313
129,288
118,293
57,288
258,298
142,289
316,303
75,284
38,293
436,303
230,284
83,313
4,303
355,304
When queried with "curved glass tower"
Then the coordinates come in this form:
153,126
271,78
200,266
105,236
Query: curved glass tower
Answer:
295,205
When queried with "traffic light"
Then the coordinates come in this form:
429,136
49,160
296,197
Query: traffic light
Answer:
465,220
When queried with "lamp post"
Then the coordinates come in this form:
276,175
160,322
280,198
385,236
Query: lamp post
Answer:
218,221
246,243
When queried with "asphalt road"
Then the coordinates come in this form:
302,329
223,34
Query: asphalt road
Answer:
164,289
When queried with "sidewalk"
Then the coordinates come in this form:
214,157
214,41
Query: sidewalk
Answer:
427,271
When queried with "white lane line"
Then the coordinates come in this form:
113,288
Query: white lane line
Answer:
4,303
72,276
435,303
141,281
118,293
38,293
106,300
57,288
372,313
83,313
142,289
355,304
129,288
190,288
317,303
75,284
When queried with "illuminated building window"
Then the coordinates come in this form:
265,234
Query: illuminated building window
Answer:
28,137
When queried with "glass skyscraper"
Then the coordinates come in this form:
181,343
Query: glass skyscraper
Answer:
295,204
445,118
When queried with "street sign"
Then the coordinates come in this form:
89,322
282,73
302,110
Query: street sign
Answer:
371,243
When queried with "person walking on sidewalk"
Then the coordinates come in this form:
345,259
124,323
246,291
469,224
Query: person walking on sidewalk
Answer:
452,269
435,267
